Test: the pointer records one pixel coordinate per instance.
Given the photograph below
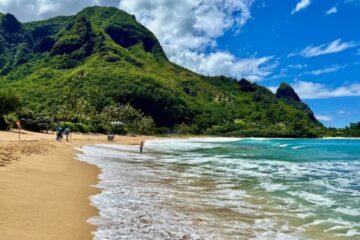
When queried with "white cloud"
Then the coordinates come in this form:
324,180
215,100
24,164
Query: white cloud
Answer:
355,2
297,66
331,11
325,118
326,48
30,10
330,69
310,90
188,30
273,89
5,2
282,74
301,5
224,63
189,23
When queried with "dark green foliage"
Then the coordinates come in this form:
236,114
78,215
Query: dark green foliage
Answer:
72,69
10,24
44,45
285,91
246,86
9,102
353,130
76,35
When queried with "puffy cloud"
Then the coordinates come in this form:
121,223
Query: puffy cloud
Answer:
188,31
326,48
189,23
324,118
310,90
223,63
30,10
331,11
301,5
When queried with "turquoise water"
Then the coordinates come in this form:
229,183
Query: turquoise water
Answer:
229,189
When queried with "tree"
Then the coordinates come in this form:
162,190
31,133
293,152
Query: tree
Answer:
9,102
128,116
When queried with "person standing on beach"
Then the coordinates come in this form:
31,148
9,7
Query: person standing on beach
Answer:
67,133
110,137
141,147
59,132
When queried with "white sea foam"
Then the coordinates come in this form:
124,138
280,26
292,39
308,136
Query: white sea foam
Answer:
314,198
348,211
283,145
350,233
272,187
189,144
298,147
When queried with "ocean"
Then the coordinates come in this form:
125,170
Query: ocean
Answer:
228,188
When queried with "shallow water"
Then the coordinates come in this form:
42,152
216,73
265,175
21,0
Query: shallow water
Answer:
228,189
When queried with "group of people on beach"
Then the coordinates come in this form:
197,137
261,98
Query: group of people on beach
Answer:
61,132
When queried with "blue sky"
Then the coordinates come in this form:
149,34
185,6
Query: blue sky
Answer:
275,31
314,45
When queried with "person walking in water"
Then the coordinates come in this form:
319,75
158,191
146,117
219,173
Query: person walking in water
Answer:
141,147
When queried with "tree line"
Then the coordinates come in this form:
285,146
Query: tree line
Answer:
75,113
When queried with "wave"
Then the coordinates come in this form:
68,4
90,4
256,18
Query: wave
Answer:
283,145
298,147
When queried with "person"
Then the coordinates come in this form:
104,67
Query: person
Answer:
141,147
110,137
67,133
59,132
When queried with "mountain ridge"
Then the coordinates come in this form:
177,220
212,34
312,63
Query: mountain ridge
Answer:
104,56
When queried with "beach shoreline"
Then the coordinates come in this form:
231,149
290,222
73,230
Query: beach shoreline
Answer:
222,189
44,189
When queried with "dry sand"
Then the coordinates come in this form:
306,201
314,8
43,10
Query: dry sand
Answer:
44,191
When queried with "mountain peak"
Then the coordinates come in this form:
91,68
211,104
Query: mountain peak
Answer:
123,29
286,91
10,24
246,85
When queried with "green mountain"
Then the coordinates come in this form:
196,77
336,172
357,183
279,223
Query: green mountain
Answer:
103,56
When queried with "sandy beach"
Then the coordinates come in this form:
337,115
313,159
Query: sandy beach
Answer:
44,190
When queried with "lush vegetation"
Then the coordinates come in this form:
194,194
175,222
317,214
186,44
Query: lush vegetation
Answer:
353,130
101,67
9,102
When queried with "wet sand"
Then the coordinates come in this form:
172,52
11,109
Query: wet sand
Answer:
44,191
